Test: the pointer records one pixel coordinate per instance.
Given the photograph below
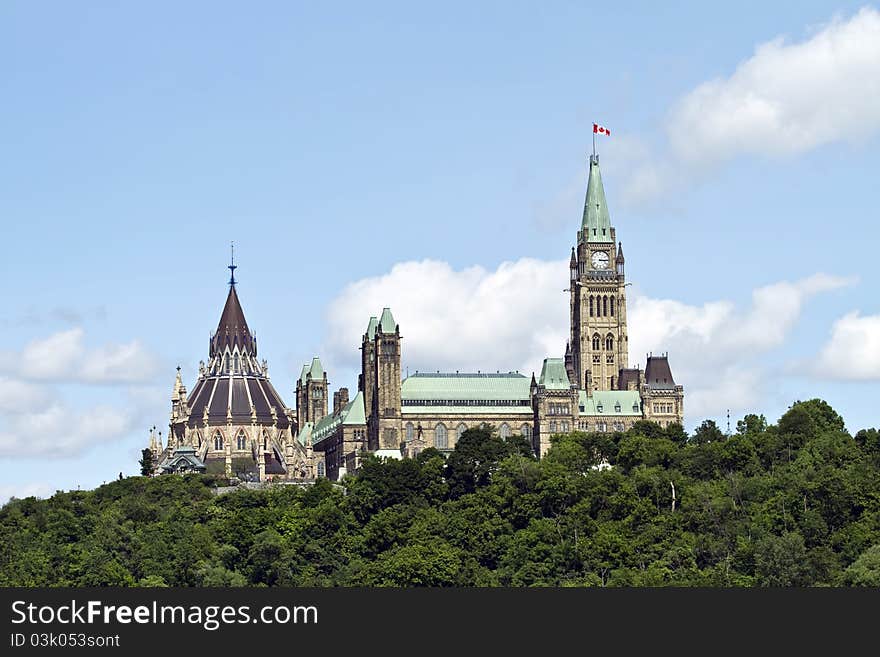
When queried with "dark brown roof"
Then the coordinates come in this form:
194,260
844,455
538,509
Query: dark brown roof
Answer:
249,393
657,373
235,387
232,330
628,376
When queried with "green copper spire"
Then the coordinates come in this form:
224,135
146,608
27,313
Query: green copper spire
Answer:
386,321
596,226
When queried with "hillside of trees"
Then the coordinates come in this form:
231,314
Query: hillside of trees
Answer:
791,504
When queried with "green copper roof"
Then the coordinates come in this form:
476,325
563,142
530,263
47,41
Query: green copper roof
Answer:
386,322
459,409
316,370
351,413
305,435
371,328
596,226
612,402
553,375
302,376
465,387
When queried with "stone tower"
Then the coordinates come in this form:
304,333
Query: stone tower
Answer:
598,347
311,393
380,380
367,377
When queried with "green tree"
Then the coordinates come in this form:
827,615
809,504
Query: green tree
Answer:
865,571
707,432
146,462
475,458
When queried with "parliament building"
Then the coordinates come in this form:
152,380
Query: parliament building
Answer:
235,422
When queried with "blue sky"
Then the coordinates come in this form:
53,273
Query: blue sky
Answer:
392,154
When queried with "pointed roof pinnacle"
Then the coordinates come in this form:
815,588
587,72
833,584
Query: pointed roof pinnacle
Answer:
386,321
620,252
178,386
232,329
371,328
232,266
596,224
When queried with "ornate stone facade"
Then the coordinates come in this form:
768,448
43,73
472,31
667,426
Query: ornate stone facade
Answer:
592,388
234,421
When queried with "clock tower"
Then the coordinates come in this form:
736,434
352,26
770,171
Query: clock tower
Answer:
598,345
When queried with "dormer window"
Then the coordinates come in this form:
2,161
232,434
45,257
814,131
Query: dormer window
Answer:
599,408
617,407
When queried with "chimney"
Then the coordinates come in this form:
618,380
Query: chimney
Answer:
340,399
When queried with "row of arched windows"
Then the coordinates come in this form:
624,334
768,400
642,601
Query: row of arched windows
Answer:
441,436
597,342
241,441
601,306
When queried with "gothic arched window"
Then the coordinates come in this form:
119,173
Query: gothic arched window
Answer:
504,430
526,431
440,440
410,430
591,305
604,306
235,366
218,441
321,470
596,345
460,429
240,440
612,306
609,342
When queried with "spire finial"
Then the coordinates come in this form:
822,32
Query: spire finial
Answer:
232,266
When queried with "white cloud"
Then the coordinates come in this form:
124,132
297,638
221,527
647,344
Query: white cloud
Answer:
15,395
35,420
64,356
787,98
853,351
471,319
514,317
715,349
21,491
57,431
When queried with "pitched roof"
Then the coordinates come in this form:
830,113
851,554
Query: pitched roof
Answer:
471,393
302,376
351,414
305,435
554,375
232,330
596,224
466,386
627,376
183,458
316,370
386,321
658,375
371,327
612,402
244,398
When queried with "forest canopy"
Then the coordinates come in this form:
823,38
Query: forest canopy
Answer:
796,503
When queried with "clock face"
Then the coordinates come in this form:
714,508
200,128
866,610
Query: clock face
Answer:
599,260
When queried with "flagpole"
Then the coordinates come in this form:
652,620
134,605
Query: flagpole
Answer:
594,142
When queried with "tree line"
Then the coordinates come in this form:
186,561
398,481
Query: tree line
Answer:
796,503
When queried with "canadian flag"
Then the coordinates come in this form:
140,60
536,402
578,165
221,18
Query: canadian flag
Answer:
601,130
